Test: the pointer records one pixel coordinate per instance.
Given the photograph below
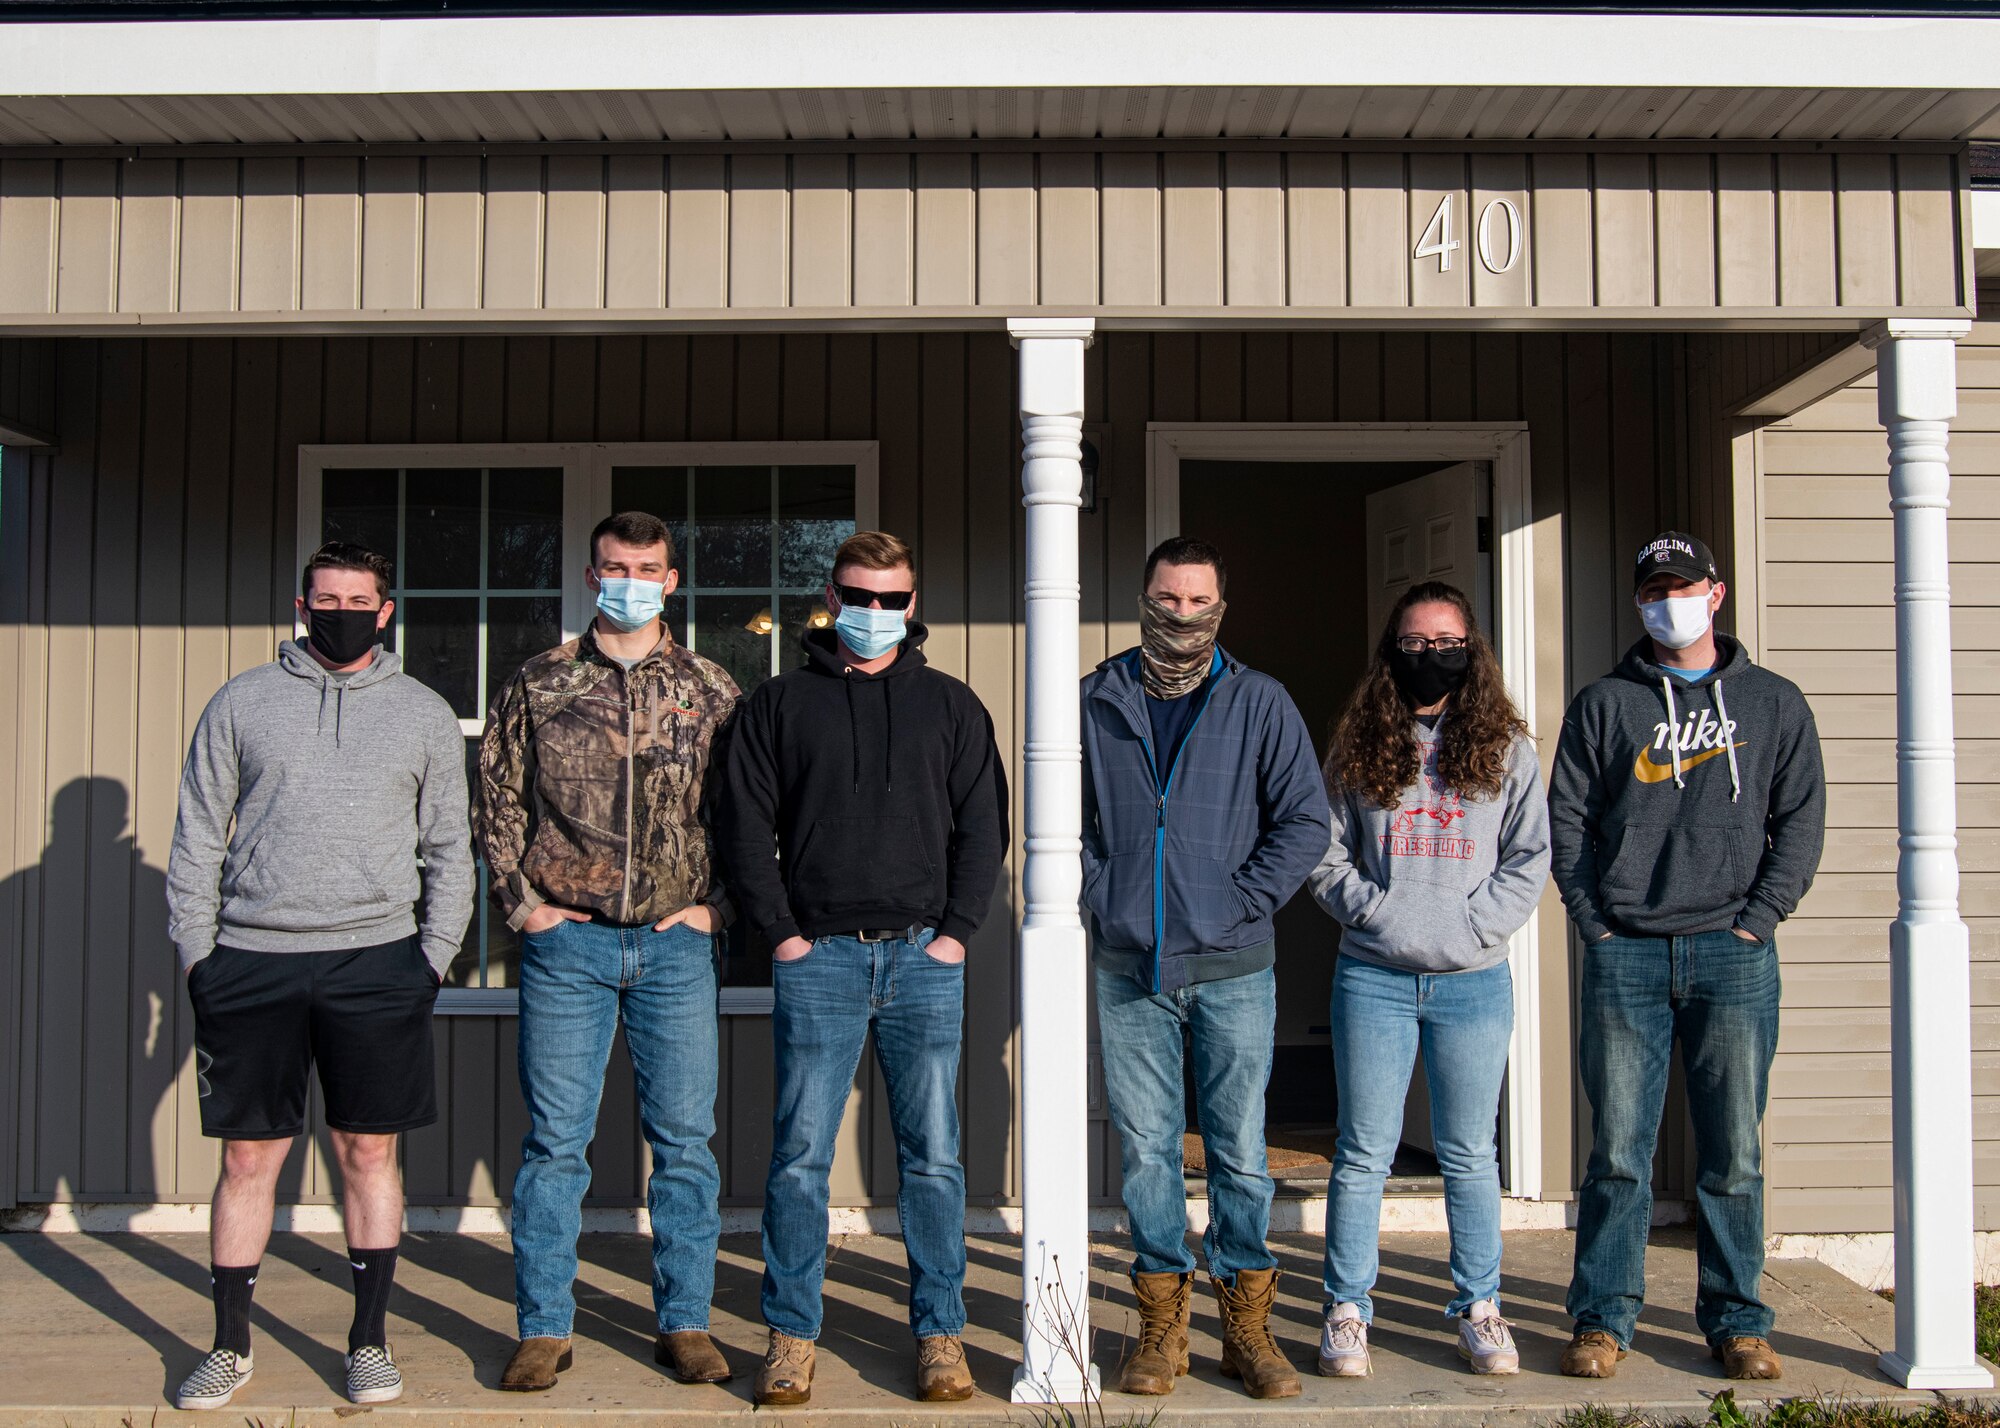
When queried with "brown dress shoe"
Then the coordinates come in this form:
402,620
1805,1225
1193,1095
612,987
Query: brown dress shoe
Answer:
691,1357
1248,1350
535,1364
786,1378
1748,1357
1162,1352
942,1376
1591,1353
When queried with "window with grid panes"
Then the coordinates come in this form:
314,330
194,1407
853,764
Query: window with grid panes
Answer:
754,546
478,590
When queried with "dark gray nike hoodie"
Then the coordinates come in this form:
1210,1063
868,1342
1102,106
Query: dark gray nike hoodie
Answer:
1680,807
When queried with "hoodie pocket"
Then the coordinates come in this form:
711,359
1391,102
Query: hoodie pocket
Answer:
870,864
1119,900
1670,869
1423,925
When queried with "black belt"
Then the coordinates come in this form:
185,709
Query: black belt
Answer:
886,934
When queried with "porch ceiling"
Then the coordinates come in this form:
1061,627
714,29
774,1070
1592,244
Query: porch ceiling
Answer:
1444,113
1079,76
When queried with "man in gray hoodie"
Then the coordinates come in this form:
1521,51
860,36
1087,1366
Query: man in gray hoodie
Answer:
1687,810
297,927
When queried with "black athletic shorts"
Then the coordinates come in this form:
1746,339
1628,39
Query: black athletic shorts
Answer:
263,1020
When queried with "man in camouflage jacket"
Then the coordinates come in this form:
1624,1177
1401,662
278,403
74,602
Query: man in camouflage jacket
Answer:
589,818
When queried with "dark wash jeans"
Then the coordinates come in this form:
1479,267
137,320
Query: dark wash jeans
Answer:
825,1004
1718,994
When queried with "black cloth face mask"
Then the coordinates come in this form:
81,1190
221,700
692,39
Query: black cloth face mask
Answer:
343,636
1429,675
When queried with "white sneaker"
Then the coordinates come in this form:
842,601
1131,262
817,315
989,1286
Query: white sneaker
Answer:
372,1376
1343,1343
214,1380
1484,1340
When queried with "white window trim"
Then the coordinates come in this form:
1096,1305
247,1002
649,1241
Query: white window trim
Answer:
1505,444
587,468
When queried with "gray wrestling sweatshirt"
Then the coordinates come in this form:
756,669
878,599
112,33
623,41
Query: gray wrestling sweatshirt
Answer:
336,788
1439,882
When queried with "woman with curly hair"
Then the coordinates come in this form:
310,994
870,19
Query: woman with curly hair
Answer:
1440,849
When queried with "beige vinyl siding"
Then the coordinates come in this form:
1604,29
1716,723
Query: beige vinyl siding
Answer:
1826,620
150,558
1224,235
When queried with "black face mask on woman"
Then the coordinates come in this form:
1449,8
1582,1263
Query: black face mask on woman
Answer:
343,636
1429,675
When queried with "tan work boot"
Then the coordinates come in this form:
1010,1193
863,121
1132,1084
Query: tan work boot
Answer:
1749,1357
786,1377
535,1364
942,1376
692,1357
1161,1355
1248,1350
1591,1353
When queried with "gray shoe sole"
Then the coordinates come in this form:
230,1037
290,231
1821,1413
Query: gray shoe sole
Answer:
1488,1367
1346,1368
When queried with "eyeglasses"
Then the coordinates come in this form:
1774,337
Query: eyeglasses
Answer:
1417,644
860,597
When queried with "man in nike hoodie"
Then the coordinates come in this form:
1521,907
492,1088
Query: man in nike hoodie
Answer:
862,823
1687,809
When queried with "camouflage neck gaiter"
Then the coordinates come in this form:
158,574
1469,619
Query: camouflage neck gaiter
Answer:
1176,651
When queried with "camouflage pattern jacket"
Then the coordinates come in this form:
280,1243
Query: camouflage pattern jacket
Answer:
590,783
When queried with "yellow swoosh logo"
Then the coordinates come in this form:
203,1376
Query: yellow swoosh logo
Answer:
1646,771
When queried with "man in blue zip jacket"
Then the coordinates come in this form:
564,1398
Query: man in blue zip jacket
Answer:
1203,811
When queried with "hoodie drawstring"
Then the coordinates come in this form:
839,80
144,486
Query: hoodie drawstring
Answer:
889,735
853,737
1728,742
1673,729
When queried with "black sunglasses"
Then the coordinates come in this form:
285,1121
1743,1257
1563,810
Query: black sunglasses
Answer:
861,598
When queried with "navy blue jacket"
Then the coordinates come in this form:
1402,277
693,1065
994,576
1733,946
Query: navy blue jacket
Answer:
1182,876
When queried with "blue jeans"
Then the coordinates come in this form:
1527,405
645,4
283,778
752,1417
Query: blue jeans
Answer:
1718,994
1234,1022
578,980
1462,1021
826,1002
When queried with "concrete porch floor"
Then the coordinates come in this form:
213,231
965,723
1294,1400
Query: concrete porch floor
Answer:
99,1328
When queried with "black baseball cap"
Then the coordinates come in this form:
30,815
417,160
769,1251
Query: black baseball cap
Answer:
1674,553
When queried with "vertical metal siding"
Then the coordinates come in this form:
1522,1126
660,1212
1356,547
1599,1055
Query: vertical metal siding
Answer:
878,233
150,558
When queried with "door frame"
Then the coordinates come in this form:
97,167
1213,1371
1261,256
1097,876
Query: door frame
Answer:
1505,445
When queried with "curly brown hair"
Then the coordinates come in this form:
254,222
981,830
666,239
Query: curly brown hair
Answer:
1373,750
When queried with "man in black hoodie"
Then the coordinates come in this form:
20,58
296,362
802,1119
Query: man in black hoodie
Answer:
1687,810
875,782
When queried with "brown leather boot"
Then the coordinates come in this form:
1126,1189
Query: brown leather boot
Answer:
787,1375
535,1364
1161,1355
1748,1357
942,1376
692,1357
1591,1353
1248,1350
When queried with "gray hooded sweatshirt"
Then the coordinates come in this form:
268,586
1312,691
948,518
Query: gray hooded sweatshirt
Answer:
1439,882
337,788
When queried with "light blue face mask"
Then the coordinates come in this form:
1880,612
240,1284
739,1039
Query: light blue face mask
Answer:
869,632
630,604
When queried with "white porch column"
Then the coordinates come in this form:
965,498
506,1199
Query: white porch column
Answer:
1054,1071
1929,953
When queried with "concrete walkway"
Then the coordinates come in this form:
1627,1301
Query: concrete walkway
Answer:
98,1329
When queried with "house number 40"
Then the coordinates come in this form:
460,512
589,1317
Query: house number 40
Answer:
1439,239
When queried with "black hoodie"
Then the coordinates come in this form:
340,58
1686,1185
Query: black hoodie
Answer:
882,796
1721,826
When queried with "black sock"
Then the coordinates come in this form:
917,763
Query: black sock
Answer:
231,1287
374,1277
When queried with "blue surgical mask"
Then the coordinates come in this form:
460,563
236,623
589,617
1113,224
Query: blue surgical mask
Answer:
869,632
630,604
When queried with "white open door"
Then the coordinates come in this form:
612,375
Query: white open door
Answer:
1425,529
